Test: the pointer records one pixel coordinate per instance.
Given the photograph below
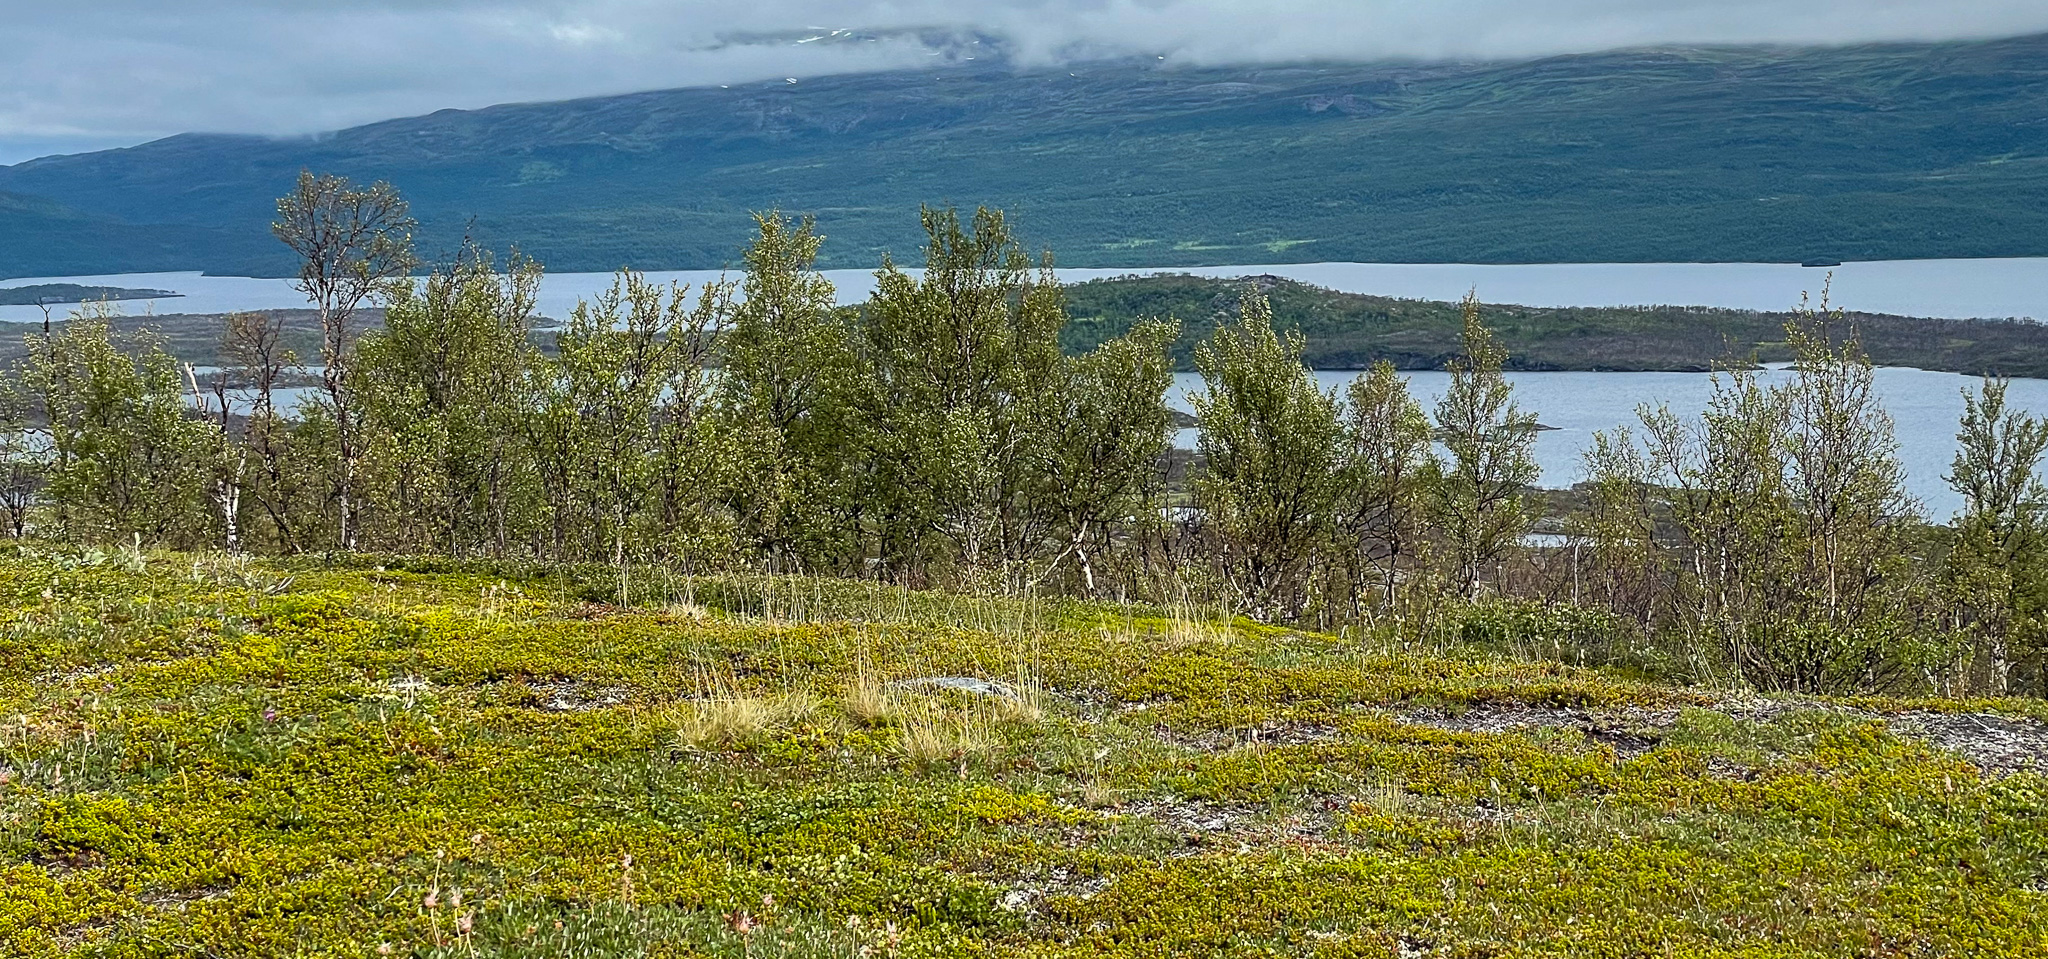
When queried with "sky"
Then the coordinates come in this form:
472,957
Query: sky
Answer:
80,75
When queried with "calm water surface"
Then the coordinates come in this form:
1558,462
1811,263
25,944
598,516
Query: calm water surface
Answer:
1946,288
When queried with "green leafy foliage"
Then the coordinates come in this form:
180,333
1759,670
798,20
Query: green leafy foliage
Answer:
1998,570
788,373
1794,548
1491,462
120,448
628,455
1270,445
441,389
938,435
953,366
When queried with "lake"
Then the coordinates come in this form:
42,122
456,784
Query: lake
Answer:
1925,405
1945,288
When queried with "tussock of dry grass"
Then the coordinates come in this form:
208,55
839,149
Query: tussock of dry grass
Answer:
868,701
930,734
728,717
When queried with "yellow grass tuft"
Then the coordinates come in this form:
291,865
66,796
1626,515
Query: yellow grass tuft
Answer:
727,717
868,701
930,734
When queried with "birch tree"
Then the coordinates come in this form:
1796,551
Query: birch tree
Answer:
1998,567
1270,445
1388,471
351,243
1481,504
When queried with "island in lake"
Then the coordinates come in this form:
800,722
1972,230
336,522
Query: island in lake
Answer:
52,293
1351,331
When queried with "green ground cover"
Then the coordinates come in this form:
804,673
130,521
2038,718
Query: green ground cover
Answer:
212,757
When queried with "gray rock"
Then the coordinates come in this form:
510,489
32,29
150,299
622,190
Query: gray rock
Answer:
963,684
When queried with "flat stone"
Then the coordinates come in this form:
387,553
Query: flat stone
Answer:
572,696
962,684
1998,745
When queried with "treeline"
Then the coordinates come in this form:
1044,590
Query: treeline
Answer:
937,435
45,294
1351,331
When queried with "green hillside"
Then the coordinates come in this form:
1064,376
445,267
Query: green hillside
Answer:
40,237
1757,154
1352,331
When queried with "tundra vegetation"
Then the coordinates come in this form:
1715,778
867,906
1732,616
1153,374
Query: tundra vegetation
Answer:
739,623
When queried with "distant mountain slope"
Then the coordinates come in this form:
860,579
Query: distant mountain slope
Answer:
1892,151
40,237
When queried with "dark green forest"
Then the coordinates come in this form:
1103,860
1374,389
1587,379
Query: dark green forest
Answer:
1696,154
1352,331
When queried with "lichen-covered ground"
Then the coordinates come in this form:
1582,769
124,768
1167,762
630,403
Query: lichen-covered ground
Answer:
203,757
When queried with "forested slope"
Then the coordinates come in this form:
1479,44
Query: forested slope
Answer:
1352,331
1724,154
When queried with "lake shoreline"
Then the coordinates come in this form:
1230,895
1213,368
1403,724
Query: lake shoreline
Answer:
1950,288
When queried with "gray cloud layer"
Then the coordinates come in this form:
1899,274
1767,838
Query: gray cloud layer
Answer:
83,74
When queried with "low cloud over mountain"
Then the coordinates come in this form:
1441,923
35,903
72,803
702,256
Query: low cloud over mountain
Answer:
108,72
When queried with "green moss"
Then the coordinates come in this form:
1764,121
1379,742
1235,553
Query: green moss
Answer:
203,757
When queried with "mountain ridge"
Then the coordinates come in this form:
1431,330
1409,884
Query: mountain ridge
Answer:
1670,153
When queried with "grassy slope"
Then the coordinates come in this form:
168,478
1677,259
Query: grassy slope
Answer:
1351,331
1692,154
39,237
226,758
191,337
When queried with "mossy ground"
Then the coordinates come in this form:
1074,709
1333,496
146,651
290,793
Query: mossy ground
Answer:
203,757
